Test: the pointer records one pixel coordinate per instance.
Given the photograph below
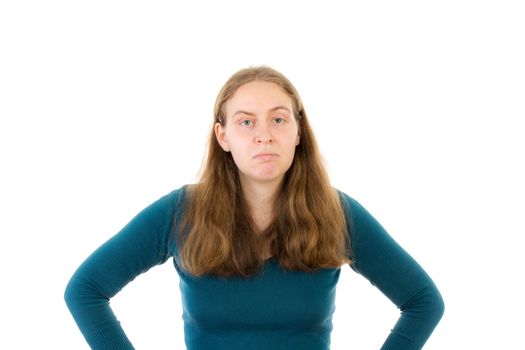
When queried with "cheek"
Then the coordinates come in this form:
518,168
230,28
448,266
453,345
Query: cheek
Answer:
291,140
239,152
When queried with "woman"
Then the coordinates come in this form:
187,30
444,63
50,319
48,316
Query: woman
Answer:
258,242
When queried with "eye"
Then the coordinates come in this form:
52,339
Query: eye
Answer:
246,123
279,120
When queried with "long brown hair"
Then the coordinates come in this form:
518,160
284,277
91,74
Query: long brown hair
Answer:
216,231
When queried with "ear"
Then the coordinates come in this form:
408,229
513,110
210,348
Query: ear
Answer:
220,134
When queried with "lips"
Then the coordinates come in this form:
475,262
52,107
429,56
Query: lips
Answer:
266,156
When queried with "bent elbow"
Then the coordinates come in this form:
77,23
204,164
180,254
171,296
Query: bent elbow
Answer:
80,293
71,295
428,304
432,304
439,305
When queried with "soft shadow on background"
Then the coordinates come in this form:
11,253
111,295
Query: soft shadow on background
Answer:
105,106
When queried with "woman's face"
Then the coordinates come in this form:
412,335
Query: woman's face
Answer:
260,131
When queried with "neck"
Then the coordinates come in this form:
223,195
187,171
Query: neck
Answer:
260,197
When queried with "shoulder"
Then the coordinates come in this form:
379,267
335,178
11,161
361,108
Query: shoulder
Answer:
169,204
176,196
364,230
357,215
348,202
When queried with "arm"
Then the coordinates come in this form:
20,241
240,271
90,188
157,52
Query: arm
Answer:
141,244
377,257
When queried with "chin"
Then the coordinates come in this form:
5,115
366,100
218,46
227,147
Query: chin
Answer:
264,177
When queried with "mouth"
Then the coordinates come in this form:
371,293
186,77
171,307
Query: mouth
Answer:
266,156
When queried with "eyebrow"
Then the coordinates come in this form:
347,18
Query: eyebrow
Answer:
271,110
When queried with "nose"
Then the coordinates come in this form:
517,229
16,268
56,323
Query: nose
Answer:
263,135
261,140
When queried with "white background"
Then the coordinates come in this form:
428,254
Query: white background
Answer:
417,106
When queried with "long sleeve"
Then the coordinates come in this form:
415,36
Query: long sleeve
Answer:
140,245
377,257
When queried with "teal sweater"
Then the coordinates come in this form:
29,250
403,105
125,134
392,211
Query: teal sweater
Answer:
275,309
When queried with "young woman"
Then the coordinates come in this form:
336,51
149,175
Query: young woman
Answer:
258,242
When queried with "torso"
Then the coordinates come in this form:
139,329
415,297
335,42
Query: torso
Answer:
293,309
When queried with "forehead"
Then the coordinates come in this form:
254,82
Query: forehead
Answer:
258,96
